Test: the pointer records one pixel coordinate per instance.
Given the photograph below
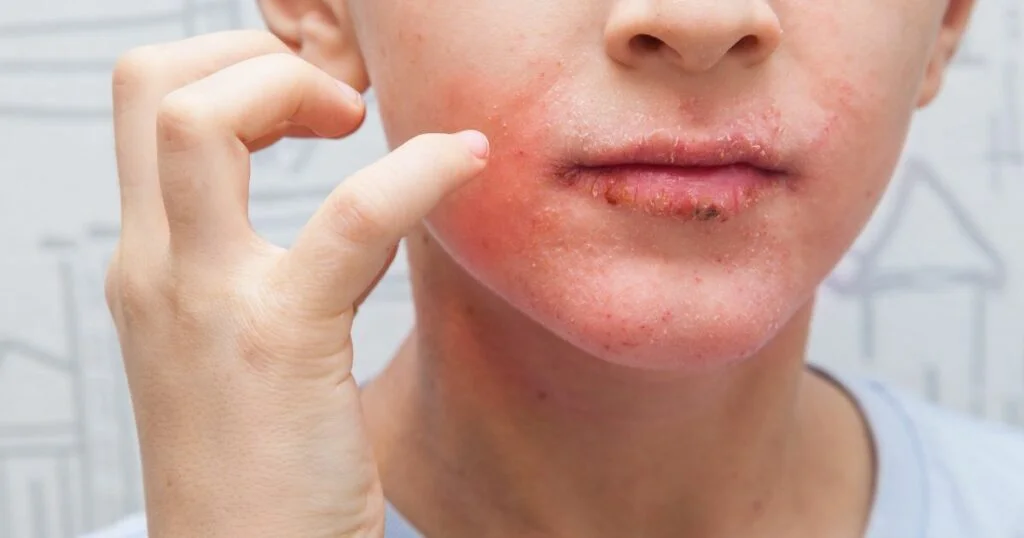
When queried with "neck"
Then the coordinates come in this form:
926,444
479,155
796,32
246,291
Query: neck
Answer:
521,428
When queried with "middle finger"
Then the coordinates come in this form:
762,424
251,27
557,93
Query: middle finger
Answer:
141,80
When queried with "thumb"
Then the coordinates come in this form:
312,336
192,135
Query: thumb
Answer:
376,280
344,246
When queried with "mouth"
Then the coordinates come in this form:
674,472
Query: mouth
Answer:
700,180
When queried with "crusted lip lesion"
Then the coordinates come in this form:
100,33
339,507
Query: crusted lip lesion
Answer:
617,194
694,205
707,212
660,204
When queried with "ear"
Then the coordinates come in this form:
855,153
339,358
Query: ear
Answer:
954,24
321,33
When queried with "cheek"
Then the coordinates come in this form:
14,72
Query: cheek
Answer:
855,162
503,220
492,101
870,92
634,292
462,64
642,291
504,214
599,281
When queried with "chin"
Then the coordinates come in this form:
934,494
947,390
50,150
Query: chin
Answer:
672,317
652,239
648,264
654,299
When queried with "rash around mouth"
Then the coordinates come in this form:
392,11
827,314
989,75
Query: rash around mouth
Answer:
689,193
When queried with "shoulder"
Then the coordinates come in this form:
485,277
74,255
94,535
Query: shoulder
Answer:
964,475
134,526
131,527
975,468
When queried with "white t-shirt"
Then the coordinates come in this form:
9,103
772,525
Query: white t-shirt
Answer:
940,473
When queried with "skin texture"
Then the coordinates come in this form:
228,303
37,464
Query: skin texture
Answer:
595,276
237,352
583,370
836,104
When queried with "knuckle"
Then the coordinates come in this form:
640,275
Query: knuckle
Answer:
129,294
138,292
295,71
111,286
183,118
112,278
135,71
360,217
286,60
160,303
177,296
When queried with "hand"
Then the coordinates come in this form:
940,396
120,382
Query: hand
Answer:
237,352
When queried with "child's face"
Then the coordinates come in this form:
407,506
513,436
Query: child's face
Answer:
659,266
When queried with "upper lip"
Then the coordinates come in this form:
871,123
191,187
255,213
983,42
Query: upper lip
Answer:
668,149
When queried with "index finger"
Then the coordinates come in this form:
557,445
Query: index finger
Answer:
344,245
141,79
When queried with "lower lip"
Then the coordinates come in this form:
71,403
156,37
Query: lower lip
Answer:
714,193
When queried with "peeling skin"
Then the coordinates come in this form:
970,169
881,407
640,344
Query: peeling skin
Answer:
686,201
708,212
565,249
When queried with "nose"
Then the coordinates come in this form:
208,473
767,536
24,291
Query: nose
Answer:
692,35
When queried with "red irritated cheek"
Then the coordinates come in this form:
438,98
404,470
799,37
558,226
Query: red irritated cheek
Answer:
502,217
506,214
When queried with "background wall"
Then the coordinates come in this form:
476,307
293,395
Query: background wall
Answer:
932,297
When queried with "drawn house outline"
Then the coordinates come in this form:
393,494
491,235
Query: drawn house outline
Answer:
98,443
93,434
54,445
189,17
1005,137
870,280
111,472
72,442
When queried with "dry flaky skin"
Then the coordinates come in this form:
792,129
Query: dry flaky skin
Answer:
687,202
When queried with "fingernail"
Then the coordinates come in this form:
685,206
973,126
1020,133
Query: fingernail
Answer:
476,142
350,93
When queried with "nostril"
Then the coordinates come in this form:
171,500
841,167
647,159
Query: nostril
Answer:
645,43
748,43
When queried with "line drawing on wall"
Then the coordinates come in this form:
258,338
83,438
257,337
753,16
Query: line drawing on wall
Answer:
94,471
72,464
870,280
191,18
46,446
1014,28
60,451
1005,138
